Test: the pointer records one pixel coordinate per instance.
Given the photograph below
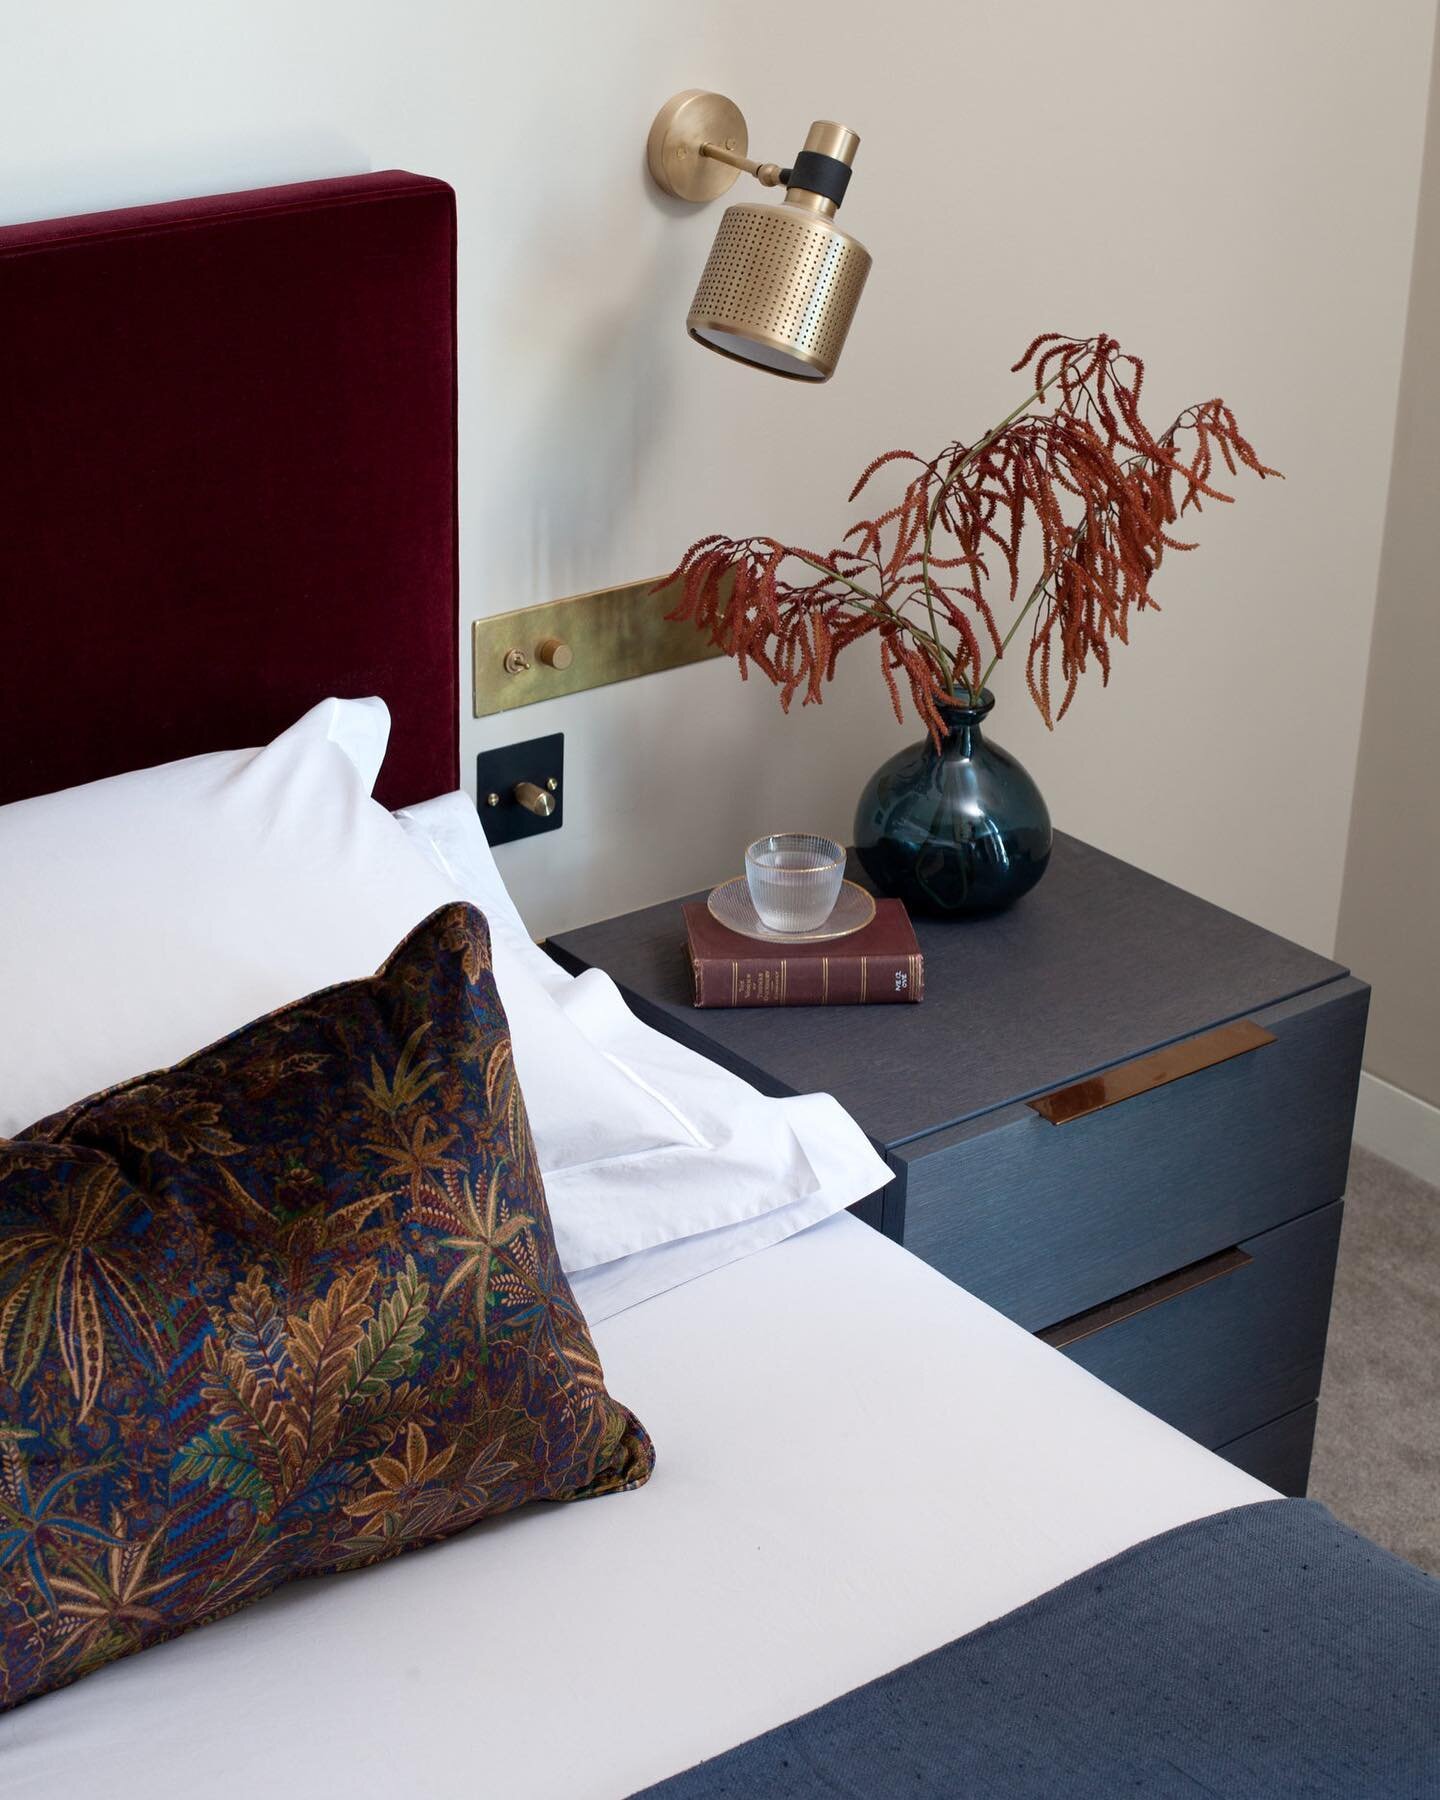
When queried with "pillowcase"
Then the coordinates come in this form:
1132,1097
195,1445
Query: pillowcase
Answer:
150,913
153,912
750,1171
291,1306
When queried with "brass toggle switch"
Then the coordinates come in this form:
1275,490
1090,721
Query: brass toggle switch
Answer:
538,800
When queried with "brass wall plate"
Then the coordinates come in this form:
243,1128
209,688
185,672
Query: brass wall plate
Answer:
612,634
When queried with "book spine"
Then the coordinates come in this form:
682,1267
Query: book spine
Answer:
811,981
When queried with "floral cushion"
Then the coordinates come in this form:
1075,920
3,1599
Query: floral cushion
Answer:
290,1306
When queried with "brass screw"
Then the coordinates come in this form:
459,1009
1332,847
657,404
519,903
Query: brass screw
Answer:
492,799
553,785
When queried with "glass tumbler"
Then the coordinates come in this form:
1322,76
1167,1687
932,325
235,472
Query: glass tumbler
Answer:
794,879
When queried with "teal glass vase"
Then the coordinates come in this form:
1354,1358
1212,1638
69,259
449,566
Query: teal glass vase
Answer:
957,831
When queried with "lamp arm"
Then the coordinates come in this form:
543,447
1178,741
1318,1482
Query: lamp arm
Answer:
767,174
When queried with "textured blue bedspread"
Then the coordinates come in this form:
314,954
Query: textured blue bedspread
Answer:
1262,1652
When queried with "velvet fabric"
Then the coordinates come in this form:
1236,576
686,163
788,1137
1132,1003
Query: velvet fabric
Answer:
227,455
291,1306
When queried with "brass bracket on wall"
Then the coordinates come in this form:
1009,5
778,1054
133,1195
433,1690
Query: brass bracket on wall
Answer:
588,640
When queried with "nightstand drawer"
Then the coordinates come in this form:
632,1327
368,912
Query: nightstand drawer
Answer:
1223,1358
1278,1453
1044,1221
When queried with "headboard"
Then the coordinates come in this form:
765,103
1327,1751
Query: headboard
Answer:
227,478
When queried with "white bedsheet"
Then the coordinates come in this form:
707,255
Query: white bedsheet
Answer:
857,1462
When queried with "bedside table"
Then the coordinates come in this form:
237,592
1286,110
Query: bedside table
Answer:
1121,1116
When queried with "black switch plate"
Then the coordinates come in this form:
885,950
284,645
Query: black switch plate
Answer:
498,773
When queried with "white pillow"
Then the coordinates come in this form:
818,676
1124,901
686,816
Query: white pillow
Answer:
750,1171
148,915
143,917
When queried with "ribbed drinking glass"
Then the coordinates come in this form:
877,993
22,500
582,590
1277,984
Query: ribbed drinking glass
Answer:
794,879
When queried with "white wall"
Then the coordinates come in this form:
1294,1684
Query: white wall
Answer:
1229,188
1391,897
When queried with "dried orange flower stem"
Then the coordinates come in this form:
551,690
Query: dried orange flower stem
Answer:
1083,474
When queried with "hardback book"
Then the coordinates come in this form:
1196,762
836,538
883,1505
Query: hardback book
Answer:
879,964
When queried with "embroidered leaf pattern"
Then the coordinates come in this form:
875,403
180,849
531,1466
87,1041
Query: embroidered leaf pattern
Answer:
467,934
420,1158
33,1523
322,1343
507,1107
257,1335
119,1591
226,1461
72,1273
389,1347
188,1125
413,1078
482,1230
290,1307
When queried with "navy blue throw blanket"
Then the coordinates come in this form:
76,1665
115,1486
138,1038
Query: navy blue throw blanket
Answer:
1263,1652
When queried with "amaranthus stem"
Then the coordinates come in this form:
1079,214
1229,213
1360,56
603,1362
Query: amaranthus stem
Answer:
879,608
1035,593
933,515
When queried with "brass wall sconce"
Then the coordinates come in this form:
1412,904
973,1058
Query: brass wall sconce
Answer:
783,282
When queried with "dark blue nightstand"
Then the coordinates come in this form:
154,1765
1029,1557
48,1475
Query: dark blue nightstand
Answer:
1176,1232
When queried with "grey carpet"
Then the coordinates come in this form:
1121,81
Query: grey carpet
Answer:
1377,1448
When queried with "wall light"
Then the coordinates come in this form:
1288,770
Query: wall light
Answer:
782,282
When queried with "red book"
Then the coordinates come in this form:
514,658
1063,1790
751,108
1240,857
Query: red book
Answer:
880,963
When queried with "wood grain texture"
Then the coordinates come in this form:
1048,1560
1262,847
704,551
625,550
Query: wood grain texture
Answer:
1044,1223
1101,963
1278,1453
1223,1359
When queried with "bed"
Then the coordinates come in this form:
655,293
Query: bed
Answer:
728,1595
230,474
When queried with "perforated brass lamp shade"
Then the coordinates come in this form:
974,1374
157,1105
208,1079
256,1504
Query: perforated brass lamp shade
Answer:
782,282
779,290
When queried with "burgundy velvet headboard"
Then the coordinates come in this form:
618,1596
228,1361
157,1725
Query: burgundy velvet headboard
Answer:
227,478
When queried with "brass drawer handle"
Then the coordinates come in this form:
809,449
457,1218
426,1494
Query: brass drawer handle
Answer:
1126,1080
1141,1299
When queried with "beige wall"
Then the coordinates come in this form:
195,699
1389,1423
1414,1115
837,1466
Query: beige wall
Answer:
1390,908
1231,188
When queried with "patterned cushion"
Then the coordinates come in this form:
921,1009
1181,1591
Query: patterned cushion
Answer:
290,1306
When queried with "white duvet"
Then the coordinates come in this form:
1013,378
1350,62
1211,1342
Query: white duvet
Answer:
857,1462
